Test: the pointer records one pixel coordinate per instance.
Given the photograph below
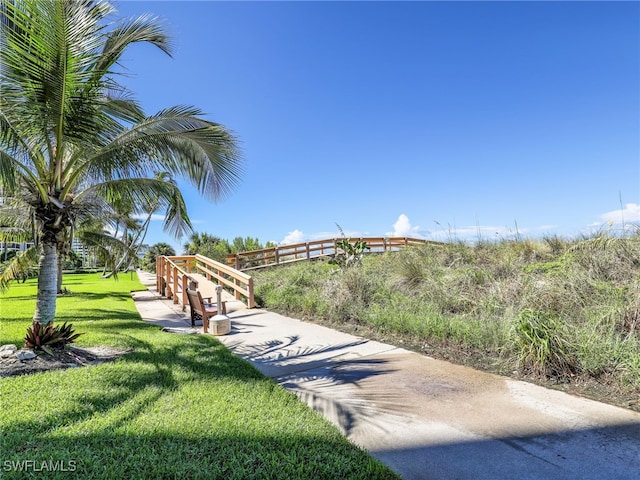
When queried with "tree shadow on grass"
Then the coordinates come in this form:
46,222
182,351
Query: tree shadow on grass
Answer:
158,367
98,315
94,425
97,296
213,454
18,298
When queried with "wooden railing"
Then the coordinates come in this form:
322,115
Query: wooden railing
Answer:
173,275
312,250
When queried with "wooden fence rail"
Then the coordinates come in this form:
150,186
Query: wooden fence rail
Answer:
173,275
315,249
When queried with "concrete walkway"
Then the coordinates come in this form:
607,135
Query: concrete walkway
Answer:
425,418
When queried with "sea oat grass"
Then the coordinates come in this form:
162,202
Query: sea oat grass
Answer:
475,297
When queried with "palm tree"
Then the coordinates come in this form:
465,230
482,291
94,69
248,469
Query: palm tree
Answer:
200,242
70,134
156,250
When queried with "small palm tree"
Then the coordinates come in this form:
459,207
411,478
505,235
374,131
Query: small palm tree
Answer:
71,135
200,242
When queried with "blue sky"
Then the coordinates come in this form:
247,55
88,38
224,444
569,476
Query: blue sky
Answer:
427,119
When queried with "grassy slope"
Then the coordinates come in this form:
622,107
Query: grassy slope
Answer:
178,406
552,310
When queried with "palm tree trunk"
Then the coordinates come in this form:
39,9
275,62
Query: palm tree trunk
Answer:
60,266
134,246
47,284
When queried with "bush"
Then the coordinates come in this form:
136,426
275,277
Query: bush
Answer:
42,336
542,346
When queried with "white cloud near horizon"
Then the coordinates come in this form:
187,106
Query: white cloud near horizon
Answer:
403,228
630,213
293,237
297,236
485,232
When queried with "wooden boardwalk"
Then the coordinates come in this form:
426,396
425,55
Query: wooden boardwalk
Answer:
173,275
208,289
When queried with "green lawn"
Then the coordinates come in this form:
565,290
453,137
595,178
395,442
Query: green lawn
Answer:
177,406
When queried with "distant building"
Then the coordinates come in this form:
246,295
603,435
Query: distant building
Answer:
6,247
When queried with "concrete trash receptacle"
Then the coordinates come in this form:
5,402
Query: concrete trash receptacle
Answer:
220,325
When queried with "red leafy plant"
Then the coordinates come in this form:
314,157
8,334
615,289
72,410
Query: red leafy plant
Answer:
42,336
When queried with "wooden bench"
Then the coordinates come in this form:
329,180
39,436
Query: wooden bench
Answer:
201,310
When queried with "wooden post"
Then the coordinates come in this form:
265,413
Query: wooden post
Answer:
251,303
175,284
185,285
168,285
237,293
158,273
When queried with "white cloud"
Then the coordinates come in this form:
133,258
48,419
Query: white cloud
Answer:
298,236
403,228
155,217
630,213
471,233
485,232
293,237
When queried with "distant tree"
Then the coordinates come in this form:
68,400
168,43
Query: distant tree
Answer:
246,244
157,250
217,249
199,242
207,245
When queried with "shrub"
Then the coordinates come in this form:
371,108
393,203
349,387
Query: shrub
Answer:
348,253
542,345
42,336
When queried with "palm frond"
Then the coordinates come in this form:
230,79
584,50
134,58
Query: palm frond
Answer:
148,195
14,234
120,106
180,142
19,266
20,156
16,221
145,28
108,246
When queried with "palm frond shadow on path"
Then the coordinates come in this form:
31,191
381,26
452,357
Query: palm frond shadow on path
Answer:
326,377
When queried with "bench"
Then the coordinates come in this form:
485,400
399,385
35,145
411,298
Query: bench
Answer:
201,310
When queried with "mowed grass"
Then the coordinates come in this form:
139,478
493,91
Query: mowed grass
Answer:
176,406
